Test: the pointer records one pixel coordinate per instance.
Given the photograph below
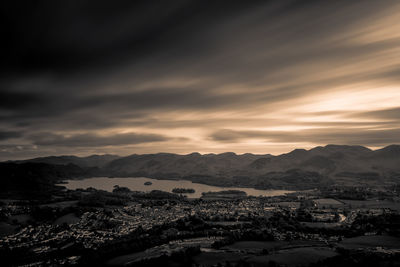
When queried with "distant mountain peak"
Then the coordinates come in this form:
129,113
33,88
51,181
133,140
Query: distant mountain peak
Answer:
391,148
194,154
296,152
389,151
227,154
89,161
341,148
299,168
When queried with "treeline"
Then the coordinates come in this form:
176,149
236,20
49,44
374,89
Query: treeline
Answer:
122,195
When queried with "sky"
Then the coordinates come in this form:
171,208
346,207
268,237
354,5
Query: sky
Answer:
125,77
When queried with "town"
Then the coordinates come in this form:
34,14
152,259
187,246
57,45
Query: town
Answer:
124,227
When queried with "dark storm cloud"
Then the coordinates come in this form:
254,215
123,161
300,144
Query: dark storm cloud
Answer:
53,36
56,36
90,140
165,99
101,110
184,68
4,135
18,100
107,110
317,135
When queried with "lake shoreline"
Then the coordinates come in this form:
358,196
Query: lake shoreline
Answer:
293,189
167,185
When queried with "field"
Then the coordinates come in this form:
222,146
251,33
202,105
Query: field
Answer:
371,204
295,256
21,218
254,245
213,258
276,245
166,249
328,202
371,241
125,259
290,253
320,224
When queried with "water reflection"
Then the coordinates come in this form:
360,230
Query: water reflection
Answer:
138,184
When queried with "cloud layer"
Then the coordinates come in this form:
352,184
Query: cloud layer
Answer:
263,77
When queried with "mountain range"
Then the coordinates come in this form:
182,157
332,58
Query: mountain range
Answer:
298,169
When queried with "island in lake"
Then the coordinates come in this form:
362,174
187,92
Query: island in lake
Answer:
183,190
148,183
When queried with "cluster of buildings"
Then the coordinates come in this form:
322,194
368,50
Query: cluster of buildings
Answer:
97,227
103,225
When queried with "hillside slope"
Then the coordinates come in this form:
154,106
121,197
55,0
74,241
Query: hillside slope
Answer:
298,169
331,164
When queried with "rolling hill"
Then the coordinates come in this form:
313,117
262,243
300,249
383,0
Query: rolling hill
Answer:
298,169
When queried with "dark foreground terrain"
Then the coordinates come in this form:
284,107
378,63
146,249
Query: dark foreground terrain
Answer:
326,227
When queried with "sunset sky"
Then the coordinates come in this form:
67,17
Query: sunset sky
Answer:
123,77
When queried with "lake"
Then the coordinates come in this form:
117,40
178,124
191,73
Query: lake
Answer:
137,184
